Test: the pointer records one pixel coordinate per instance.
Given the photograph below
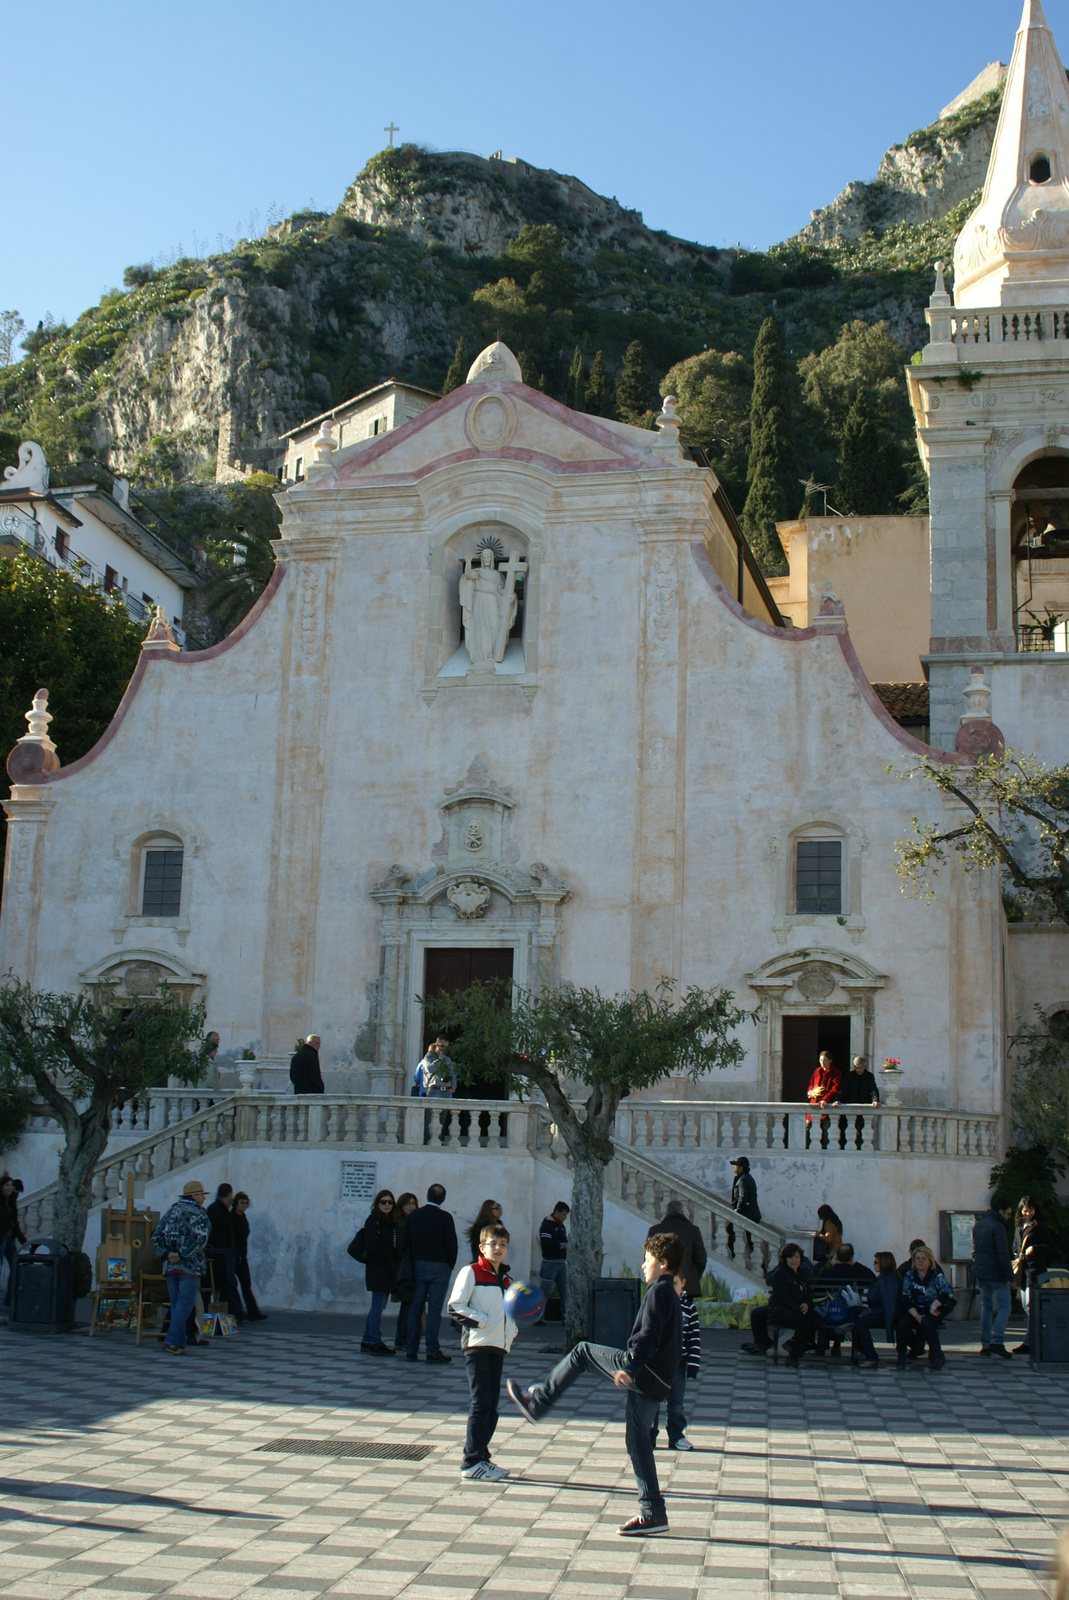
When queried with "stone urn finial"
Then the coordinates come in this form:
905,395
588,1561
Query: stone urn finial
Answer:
34,753
978,735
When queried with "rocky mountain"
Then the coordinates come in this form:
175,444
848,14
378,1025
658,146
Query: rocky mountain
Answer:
425,249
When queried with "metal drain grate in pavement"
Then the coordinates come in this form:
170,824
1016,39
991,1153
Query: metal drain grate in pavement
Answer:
349,1447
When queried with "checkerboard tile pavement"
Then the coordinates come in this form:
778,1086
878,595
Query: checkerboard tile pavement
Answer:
128,1473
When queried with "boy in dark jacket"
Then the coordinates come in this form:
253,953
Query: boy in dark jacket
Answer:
646,1370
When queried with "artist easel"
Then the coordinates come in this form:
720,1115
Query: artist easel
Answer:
133,1225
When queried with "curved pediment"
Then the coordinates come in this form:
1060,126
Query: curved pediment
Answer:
816,968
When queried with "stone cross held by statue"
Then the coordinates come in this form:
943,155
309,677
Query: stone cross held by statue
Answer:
513,568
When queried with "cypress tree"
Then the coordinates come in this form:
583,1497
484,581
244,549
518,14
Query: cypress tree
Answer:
599,397
635,389
772,487
575,392
458,368
871,476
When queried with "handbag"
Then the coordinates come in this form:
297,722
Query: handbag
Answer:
357,1247
405,1277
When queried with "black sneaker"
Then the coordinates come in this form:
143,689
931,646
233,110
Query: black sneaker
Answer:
410,1357
643,1527
439,1359
1021,1350
999,1350
521,1399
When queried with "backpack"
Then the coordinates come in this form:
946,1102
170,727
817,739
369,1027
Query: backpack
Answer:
357,1247
840,1309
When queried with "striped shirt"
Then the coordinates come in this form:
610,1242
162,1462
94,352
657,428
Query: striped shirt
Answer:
692,1336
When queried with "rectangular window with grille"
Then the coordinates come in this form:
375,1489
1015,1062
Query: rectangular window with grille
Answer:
819,868
162,895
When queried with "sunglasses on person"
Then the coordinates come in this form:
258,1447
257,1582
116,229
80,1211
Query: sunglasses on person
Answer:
386,1202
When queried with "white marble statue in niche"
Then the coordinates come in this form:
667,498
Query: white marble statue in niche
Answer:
488,604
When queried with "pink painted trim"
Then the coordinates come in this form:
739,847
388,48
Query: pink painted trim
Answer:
170,658
623,454
792,636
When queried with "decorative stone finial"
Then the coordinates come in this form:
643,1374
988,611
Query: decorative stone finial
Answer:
495,364
31,472
667,422
160,635
939,295
324,444
34,753
978,735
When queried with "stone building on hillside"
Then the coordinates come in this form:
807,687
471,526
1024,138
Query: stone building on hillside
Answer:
517,703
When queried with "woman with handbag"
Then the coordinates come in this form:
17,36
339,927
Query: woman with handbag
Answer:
379,1253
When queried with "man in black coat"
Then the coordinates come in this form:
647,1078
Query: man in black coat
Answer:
431,1240
305,1075
690,1237
223,1249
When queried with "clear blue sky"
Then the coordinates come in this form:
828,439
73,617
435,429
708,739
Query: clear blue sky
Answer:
133,128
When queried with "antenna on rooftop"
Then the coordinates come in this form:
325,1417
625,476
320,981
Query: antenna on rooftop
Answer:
809,486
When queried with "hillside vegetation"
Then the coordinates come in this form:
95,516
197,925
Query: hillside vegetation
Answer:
427,250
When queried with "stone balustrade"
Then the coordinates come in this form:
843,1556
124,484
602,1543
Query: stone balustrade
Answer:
179,1127
771,1128
1003,332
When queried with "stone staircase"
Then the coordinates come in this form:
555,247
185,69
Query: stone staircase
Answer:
190,1129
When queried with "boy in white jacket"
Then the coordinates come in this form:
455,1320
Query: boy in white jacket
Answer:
477,1301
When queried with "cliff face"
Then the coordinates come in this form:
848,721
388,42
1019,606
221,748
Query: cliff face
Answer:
241,347
917,182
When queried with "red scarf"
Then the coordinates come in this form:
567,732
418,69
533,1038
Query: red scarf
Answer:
486,1273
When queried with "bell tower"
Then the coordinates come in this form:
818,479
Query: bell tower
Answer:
991,401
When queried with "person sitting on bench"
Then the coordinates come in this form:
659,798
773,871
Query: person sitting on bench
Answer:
790,1303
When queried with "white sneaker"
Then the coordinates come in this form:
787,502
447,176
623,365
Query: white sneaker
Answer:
488,1471
682,1444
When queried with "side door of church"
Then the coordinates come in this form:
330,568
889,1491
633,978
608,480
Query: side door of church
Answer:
451,971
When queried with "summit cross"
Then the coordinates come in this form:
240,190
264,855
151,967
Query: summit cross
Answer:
391,130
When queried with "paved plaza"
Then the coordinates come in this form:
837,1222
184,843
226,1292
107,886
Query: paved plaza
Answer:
130,1473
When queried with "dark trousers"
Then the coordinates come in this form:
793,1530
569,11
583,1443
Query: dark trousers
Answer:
862,1324
484,1365
401,1334
677,1421
241,1272
9,1252
224,1262
432,1281
907,1328
805,1327
759,1327
640,1417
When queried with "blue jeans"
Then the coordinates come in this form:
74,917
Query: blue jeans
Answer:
677,1422
373,1325
432,1281
994,1301
555,1272
640,1418
183,1288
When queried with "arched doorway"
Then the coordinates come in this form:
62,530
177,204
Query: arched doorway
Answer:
1039,534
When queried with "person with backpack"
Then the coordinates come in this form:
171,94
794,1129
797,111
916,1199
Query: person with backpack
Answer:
376,1246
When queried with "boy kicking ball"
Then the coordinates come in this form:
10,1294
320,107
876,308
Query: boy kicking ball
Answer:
646,1370
477,1301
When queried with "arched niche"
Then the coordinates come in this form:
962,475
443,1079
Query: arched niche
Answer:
515,556
1039,543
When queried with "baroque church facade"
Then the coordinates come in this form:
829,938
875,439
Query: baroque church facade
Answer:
517,703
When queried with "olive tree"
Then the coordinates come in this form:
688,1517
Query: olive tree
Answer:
585,1052
76,1060
1014,815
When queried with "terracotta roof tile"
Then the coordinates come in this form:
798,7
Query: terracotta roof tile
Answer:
904,699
